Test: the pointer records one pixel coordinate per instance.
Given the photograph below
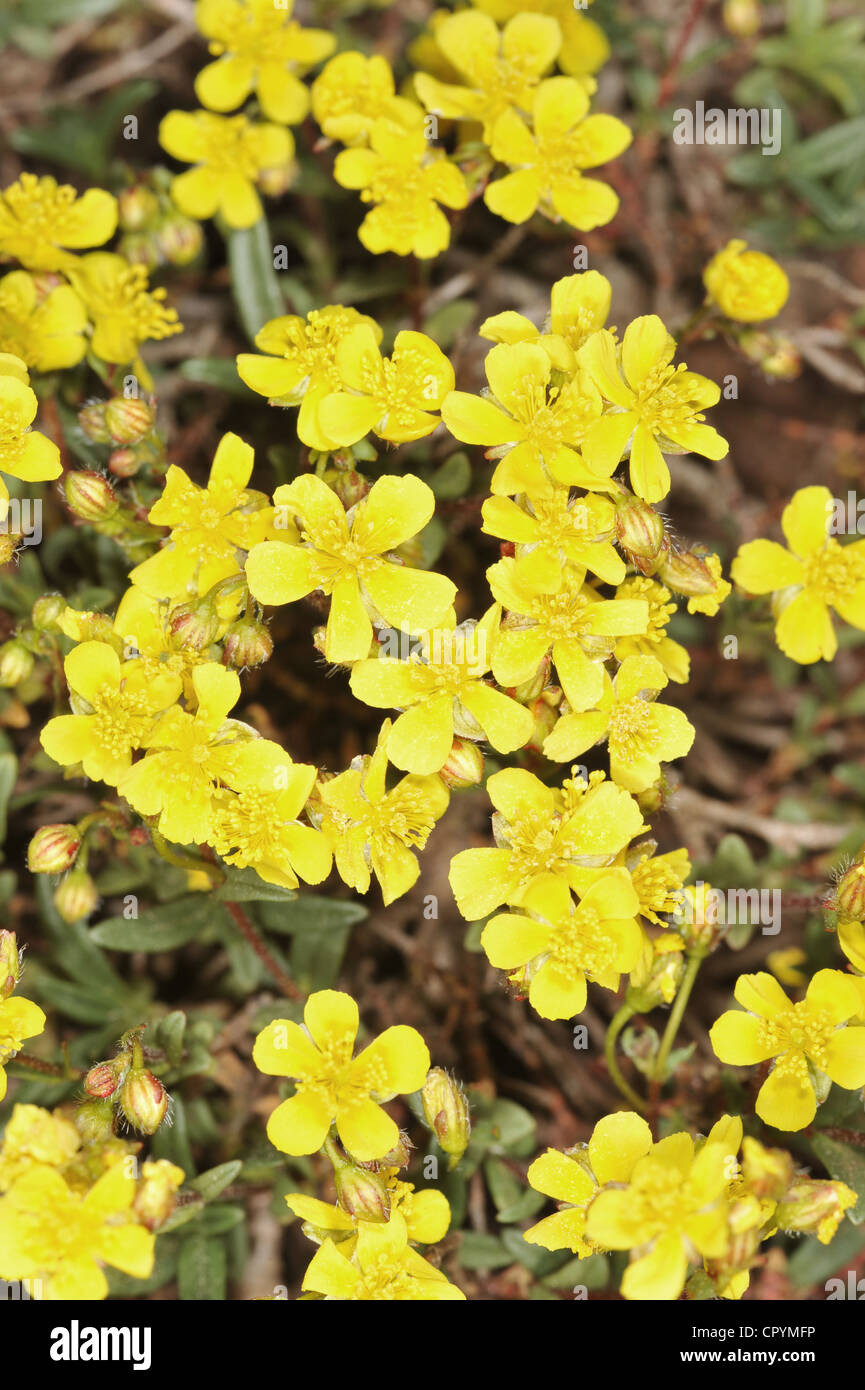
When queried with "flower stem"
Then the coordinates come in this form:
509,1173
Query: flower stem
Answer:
192,862
675,1019
25,1059
259,946
617,1023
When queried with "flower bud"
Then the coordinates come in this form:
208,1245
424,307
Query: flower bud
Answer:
53,849
350,486
123,463
143,1100
247,643
464,765
128,419
179,240
741,18
766,1172
685,572
46,611
814,1206
699,918
139,248
748,286
8,543
103,1079
10,963
155,1198
194,625
639,528
447,1113
276,180
16,663
75,897
361,1193
529,691
94,1120
89,495
136,206
848,898
397,1157
91,422
658,973
546,717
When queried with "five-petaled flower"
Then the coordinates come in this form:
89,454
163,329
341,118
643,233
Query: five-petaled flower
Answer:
260,48
229,154
383,1266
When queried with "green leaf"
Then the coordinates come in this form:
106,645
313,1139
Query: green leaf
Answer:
480,1251
453,479
541,1262
82,137
245,886
316,956
159,928
73,949
310,913
201,1270
168,1034
591,1273
8,773
846,1163
253,279
215,1180
221,1218
829,150
218,372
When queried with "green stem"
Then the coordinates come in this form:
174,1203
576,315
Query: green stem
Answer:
617,1023
186,861
676,1013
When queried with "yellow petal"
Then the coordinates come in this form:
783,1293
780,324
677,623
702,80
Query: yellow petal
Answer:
786,1100
806,518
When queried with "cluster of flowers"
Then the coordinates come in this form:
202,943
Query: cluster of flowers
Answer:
682,1208
367,1240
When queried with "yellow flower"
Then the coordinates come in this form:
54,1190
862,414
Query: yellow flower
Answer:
499,70
654,641
116,704
541,830
124,312
746,285
786,966
809,1041
24,453
210,527
405,178
579,306
672,1209
532,420
562,944
60,1239
373,830
657,878
43,325
383,1267
806,581
333,1086
262,50
584,44
443,693
39,218
551,531
641,734
427,1215
189,753
35,1136
301,366
258,825
574,1177
565,618
547,162
657,406
19,1019
352,92
229,152
347,559
396,397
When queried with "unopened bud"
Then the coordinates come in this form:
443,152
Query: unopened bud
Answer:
775,355
128,419
741,18
397,1157
143,1100
156,1196
276,180
139,248
75,897
699,918
767,1172
848,899
658,973
685,572
103,1079
247,643
546,716
91,421
124,463
53,849
464,765
814,1206
194,625
350,486
529,691
46,611
136,207
89,495
447,1113
94,1120
10,963
361,1193
639,528
16,663
179,240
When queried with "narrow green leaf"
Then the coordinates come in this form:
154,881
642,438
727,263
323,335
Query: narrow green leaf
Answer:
244,886
8,773
201,1270
215,1180
159,928
310,913
253,279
